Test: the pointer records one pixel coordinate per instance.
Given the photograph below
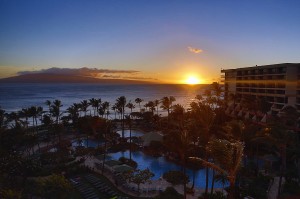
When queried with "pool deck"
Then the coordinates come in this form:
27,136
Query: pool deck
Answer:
155,185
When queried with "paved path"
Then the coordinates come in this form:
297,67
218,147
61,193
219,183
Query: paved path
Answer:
273,192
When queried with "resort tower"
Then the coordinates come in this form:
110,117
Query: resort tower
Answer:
278,85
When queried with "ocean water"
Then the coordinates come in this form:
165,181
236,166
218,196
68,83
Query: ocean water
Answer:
14,97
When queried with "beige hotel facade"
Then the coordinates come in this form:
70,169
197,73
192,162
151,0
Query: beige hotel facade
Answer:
277,84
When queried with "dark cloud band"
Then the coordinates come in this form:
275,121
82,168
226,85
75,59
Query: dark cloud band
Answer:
78,71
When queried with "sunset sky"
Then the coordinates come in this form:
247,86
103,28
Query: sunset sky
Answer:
158,40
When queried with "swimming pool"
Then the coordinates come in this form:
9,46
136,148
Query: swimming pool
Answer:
157,165
87,142
160,165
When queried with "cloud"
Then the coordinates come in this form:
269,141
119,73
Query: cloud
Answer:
94,72
195,50
127,77
140,78
112,76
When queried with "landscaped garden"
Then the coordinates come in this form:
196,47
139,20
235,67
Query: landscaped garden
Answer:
81,155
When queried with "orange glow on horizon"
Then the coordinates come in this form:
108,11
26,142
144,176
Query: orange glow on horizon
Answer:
192,80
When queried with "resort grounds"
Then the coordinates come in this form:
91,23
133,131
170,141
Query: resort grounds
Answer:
83,153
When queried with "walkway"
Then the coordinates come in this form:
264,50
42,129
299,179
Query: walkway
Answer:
273,192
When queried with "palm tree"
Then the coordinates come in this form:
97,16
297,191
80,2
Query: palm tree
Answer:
84,106
55,110
213,98
156,103
234,130
138,101
202,120
34,113
14,116
151,106
280,133
105,107
166,104
25,112
119,111
234,98
172,99
217,89
130,106
2,117
178,114
227,157
47,122
95,103
129,123
77,107
199,98
179,142
48,103
222,178
146,106
114,108
73,113
39,113
106,131
121,102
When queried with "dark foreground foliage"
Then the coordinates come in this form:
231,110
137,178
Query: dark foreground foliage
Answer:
170,192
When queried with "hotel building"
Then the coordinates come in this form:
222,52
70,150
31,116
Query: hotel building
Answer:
278,84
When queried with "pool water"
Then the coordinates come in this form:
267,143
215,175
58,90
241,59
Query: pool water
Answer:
157,165
160,165
87,143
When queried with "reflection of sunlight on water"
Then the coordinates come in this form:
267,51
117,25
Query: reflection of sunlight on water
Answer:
160,165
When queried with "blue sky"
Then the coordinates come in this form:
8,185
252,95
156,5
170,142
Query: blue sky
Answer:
152,37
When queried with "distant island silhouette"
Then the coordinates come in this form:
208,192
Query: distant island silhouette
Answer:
57,78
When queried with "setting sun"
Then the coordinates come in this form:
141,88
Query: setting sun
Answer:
192,80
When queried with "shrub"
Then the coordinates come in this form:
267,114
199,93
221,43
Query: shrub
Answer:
156,145
99,151
170,192
116,148
216,195
256,187
175,177
291,187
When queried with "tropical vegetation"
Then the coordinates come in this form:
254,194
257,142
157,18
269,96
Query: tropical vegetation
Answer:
243,155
